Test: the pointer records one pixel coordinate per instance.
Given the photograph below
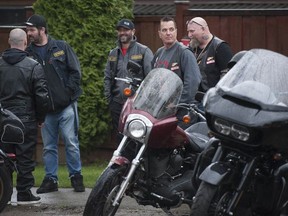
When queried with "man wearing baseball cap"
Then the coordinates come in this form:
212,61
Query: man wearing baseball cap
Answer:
37,21
127,49
125,23
63,73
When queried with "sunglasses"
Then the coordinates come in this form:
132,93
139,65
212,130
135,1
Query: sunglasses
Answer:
192,21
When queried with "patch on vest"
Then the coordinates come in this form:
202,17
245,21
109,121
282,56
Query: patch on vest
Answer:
174,66
112,58
137,57
210,60
59,53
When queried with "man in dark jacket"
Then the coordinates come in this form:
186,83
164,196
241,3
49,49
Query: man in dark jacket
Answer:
127,49
23,91
62,69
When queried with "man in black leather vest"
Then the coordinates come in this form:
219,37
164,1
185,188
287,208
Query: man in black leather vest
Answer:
212,53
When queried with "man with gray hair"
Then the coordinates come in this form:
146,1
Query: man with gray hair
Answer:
212,53
23,91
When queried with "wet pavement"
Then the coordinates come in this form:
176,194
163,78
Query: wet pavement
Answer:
67,202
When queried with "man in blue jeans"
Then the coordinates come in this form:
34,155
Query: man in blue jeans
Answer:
63,74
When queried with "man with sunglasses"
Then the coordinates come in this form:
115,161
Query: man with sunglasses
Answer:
212,53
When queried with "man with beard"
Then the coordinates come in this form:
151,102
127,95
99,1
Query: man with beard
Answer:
212,54
127,49
179,59
62,70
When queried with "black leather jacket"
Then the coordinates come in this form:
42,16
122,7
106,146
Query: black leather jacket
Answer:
62,69
23,87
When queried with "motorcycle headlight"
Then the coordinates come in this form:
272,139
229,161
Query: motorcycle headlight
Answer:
222,126
137,128
230,129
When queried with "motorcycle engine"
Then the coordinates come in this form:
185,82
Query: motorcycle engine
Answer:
169,181
165,164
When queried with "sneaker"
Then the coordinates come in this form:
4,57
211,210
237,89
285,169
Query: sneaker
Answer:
48,185
24,198
77,182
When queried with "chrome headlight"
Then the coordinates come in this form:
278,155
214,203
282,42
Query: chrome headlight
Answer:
137,128
230,129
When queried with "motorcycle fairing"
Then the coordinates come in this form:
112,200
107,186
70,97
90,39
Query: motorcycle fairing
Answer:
157,99
254,94
216,173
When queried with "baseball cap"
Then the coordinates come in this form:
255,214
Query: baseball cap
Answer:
125,23
36,20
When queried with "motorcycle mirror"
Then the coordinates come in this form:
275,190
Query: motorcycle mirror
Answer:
127,92
186,119
134,68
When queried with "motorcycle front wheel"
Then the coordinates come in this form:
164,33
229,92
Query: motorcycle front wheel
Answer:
211,201
6,187
100,200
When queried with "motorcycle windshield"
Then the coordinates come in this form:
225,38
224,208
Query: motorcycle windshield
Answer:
159,93
259,77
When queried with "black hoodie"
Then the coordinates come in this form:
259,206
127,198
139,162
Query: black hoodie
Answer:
23,87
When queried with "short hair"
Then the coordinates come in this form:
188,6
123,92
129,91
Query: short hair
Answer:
167,19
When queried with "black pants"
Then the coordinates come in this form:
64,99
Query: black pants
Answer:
24,157
115,111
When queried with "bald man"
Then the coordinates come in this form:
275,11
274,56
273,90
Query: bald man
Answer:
212,53
23,91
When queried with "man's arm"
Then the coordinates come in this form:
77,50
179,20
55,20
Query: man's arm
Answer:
107,81
191,76
73,67
41,95
147,66
223,55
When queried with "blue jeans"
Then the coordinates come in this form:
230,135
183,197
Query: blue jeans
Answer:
67,123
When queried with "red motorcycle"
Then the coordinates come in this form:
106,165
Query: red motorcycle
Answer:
11,132
154,163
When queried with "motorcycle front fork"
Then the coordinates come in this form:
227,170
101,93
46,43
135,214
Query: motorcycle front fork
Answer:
134,165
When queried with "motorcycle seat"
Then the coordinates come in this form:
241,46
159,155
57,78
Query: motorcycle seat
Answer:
198,136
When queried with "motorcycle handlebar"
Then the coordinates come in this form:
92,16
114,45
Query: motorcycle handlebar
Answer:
194,108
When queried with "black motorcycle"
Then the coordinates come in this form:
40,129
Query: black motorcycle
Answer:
248,114
11,132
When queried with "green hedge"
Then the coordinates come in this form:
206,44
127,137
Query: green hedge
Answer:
89,27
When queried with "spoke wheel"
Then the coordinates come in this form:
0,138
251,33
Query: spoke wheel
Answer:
101,198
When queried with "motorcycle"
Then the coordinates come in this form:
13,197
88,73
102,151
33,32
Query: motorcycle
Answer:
11,132
247,112
154,161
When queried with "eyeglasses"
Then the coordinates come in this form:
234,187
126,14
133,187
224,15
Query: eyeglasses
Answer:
192,21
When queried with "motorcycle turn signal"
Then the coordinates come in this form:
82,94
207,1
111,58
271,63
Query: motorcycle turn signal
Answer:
186,119
127,92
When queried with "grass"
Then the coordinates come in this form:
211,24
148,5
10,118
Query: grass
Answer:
90,174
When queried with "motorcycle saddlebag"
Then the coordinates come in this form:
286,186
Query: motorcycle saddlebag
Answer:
11,128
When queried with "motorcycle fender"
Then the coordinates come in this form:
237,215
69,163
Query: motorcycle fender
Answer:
215,173
119,160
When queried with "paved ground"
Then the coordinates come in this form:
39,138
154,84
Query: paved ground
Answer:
67,202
